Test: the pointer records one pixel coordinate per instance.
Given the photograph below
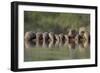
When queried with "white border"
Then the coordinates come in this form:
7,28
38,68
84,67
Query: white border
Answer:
22,64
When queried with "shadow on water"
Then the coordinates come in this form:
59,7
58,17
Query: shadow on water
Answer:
57,51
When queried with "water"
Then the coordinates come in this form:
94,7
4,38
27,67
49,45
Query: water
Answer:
58,51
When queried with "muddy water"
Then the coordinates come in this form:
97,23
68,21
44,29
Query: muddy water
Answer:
58,51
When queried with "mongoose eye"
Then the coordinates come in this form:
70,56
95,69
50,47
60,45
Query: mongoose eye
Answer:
82,32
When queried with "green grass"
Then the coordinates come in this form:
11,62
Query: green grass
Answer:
54,21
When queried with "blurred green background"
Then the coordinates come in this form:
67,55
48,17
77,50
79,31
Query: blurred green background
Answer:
54,22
